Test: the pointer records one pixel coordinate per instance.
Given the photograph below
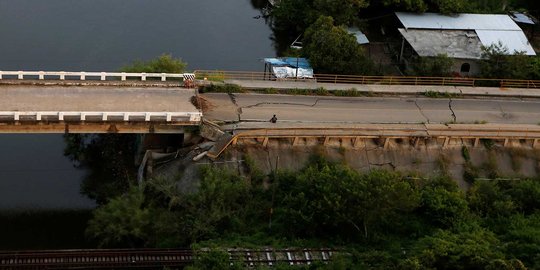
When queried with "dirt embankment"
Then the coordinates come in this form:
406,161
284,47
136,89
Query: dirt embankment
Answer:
462,162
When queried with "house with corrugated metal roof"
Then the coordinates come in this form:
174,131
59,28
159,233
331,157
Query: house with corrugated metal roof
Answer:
460,37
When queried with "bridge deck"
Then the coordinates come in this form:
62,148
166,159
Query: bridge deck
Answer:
93,99
52,108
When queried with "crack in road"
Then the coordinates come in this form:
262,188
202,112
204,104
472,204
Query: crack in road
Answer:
452,110
238,109
283,103
421,111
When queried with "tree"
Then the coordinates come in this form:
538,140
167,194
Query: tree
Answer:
443,207
474,249
331,199
439,66
526,195
522,234
488,200
342,11
163,64
421,6
330,49
220,205
498,62
122,221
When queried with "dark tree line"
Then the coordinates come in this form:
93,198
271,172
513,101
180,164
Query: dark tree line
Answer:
387,220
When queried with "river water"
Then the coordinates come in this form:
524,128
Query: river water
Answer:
104,35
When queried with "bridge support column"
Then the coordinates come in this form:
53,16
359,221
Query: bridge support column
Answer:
386,143
38,116
62,76
103,76
83,76
42,75
16,116
295,141
356,142
417,142
235,141
169,117
123,77
326,140
104,117
446,142
20,75
506,142
476,142
265,141
83,117
147,117
126,117
143,76
0,75
61,116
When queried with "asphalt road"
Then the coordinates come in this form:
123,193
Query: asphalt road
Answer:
258,107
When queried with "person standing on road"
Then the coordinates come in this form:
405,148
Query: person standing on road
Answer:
273,119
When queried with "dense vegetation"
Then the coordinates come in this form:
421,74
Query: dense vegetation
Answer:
386,220
332,50
163,64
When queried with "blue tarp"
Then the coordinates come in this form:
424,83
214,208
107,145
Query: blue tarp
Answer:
289,61
275,61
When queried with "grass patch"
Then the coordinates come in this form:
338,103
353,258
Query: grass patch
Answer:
465,153
270,91
222,88
321,91
490,167
437,94
218,76
443,162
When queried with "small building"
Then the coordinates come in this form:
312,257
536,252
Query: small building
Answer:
526,22
287,68
460,37
361,38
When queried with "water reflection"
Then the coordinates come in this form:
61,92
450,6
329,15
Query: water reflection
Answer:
105,35
109,160
34,173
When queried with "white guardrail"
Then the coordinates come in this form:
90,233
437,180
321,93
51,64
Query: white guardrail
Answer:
82,75
105,116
